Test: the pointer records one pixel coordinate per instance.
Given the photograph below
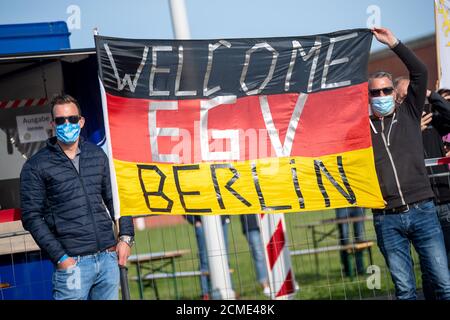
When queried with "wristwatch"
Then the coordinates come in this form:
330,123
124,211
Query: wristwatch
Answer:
129,240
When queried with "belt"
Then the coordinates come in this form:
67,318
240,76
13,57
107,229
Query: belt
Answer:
396,210
111,249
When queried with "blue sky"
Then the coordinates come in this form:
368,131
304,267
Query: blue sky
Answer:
211,19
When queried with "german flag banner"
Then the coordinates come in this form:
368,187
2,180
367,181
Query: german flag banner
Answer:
235,126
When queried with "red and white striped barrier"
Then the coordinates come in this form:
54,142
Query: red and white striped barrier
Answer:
278,258
12,104
437,161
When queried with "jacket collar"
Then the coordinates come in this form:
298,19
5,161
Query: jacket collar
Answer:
53,145
375,118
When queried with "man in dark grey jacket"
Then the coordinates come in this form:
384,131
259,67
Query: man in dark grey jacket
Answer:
67,206
410,215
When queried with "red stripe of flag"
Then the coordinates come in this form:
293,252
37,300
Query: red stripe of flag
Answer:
42,101
29,103
3,104
288,286
332,122
275,245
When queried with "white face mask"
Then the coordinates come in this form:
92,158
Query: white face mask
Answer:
382,106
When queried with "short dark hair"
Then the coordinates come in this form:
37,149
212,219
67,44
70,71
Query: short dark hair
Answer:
443,91
63,99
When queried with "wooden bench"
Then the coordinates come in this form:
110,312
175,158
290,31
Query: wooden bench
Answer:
150,278
162,263
350,248
166,275
318,236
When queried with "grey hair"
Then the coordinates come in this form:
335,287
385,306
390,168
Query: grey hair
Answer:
400,79
380,74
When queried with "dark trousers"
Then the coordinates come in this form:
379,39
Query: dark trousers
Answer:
344,238
443,211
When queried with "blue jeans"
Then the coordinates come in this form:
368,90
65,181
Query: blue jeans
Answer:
203,254
94,277
443,212
344,237
259,259
419,226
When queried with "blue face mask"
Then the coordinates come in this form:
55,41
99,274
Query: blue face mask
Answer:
382,105
68,133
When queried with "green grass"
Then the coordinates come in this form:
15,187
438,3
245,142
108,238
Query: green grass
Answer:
326,283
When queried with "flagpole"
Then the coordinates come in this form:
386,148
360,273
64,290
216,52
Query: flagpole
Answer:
179,19
123,270
107,148
438,54
219,273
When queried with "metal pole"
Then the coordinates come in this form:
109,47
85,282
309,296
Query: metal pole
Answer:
179,19
219,271
124,283
439,175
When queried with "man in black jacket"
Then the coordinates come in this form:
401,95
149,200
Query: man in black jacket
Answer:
435,124
67,206
410,215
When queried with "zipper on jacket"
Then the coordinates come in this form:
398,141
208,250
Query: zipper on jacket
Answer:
392,162
390,128
85,194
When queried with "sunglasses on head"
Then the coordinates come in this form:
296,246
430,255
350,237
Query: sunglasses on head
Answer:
62,120
377,92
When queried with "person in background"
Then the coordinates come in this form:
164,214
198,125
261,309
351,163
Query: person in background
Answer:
447,146
444,93
344,238
251,230
409,216
401,88
67,206
435,124
196,221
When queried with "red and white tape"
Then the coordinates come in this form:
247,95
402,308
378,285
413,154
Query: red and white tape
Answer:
278,258
437,161
12,104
